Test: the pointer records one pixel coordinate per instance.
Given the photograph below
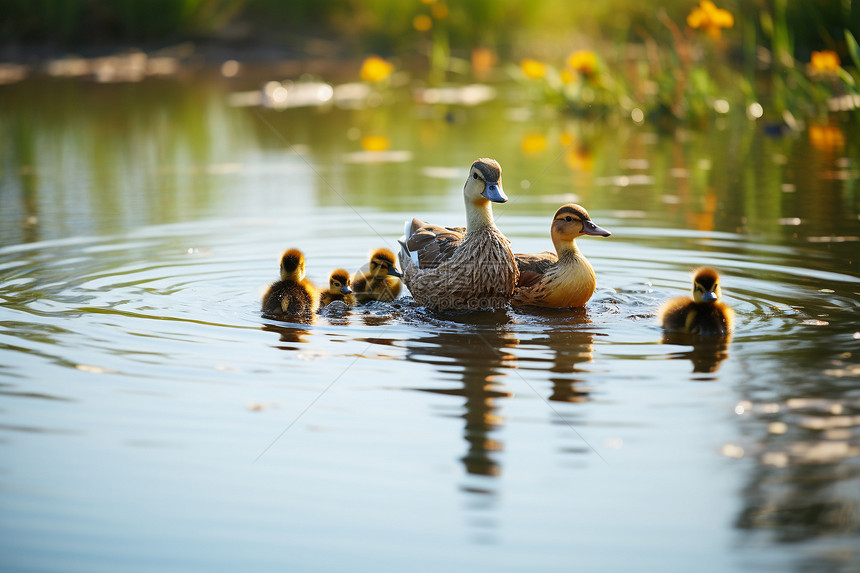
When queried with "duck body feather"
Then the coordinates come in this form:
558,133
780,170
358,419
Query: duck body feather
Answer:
368,287
552,281
447,268
683,314
290,298
327,298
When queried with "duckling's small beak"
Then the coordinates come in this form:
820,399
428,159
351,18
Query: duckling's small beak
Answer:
345,289
590,228
494,192
394,272
709,296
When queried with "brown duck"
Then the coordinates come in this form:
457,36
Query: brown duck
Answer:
703,313
293,295
563,279
379,279
462,268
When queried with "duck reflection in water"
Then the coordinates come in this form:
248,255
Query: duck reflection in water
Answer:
707,351
571,345
288,333
475,360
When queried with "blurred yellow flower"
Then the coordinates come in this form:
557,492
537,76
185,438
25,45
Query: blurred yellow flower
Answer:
584,62
483,60
533,68
533,143
710,19
826,137
375,143
375,69
577,156
422,22
439,11
566,76
825,62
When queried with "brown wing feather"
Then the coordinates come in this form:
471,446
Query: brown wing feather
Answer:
533,267
433,243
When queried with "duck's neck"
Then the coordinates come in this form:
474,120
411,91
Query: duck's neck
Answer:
479,215
565,248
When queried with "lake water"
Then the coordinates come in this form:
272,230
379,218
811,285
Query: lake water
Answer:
152,420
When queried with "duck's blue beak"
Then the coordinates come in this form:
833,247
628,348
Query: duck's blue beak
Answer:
394,272
494,192
345,289
709,296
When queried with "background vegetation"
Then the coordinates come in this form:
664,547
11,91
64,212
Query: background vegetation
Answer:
681,60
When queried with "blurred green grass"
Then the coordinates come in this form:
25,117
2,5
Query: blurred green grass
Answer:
386,26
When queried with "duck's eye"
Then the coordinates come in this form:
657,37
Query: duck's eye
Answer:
474,175
568,218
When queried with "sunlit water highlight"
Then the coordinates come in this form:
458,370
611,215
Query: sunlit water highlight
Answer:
152,418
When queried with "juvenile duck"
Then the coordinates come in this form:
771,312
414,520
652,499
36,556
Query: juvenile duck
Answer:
702,314
338,289
379,279
462,268
563,279
293,295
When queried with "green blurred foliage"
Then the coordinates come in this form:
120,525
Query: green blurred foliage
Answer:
386,25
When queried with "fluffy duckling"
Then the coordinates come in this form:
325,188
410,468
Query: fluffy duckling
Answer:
379,279
462,268
563,279
702,314
293,295
338,289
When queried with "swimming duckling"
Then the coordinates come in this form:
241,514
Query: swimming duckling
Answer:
338,289
563,279
293,295
702,314
462,268
379,279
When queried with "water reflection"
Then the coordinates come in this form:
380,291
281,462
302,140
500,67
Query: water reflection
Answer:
571,344
476,363
706,354
290,334
807,477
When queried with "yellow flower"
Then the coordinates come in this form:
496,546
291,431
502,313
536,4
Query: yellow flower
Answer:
483,60
375,69
710,19
533,68
826,137
533,143
375,143
824,62
422,22
439,11
584,62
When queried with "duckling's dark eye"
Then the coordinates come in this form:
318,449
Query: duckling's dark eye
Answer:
568,218
474,175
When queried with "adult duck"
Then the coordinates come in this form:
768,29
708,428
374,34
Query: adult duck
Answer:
564,279
462,268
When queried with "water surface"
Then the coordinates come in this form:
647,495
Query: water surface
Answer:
152,419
